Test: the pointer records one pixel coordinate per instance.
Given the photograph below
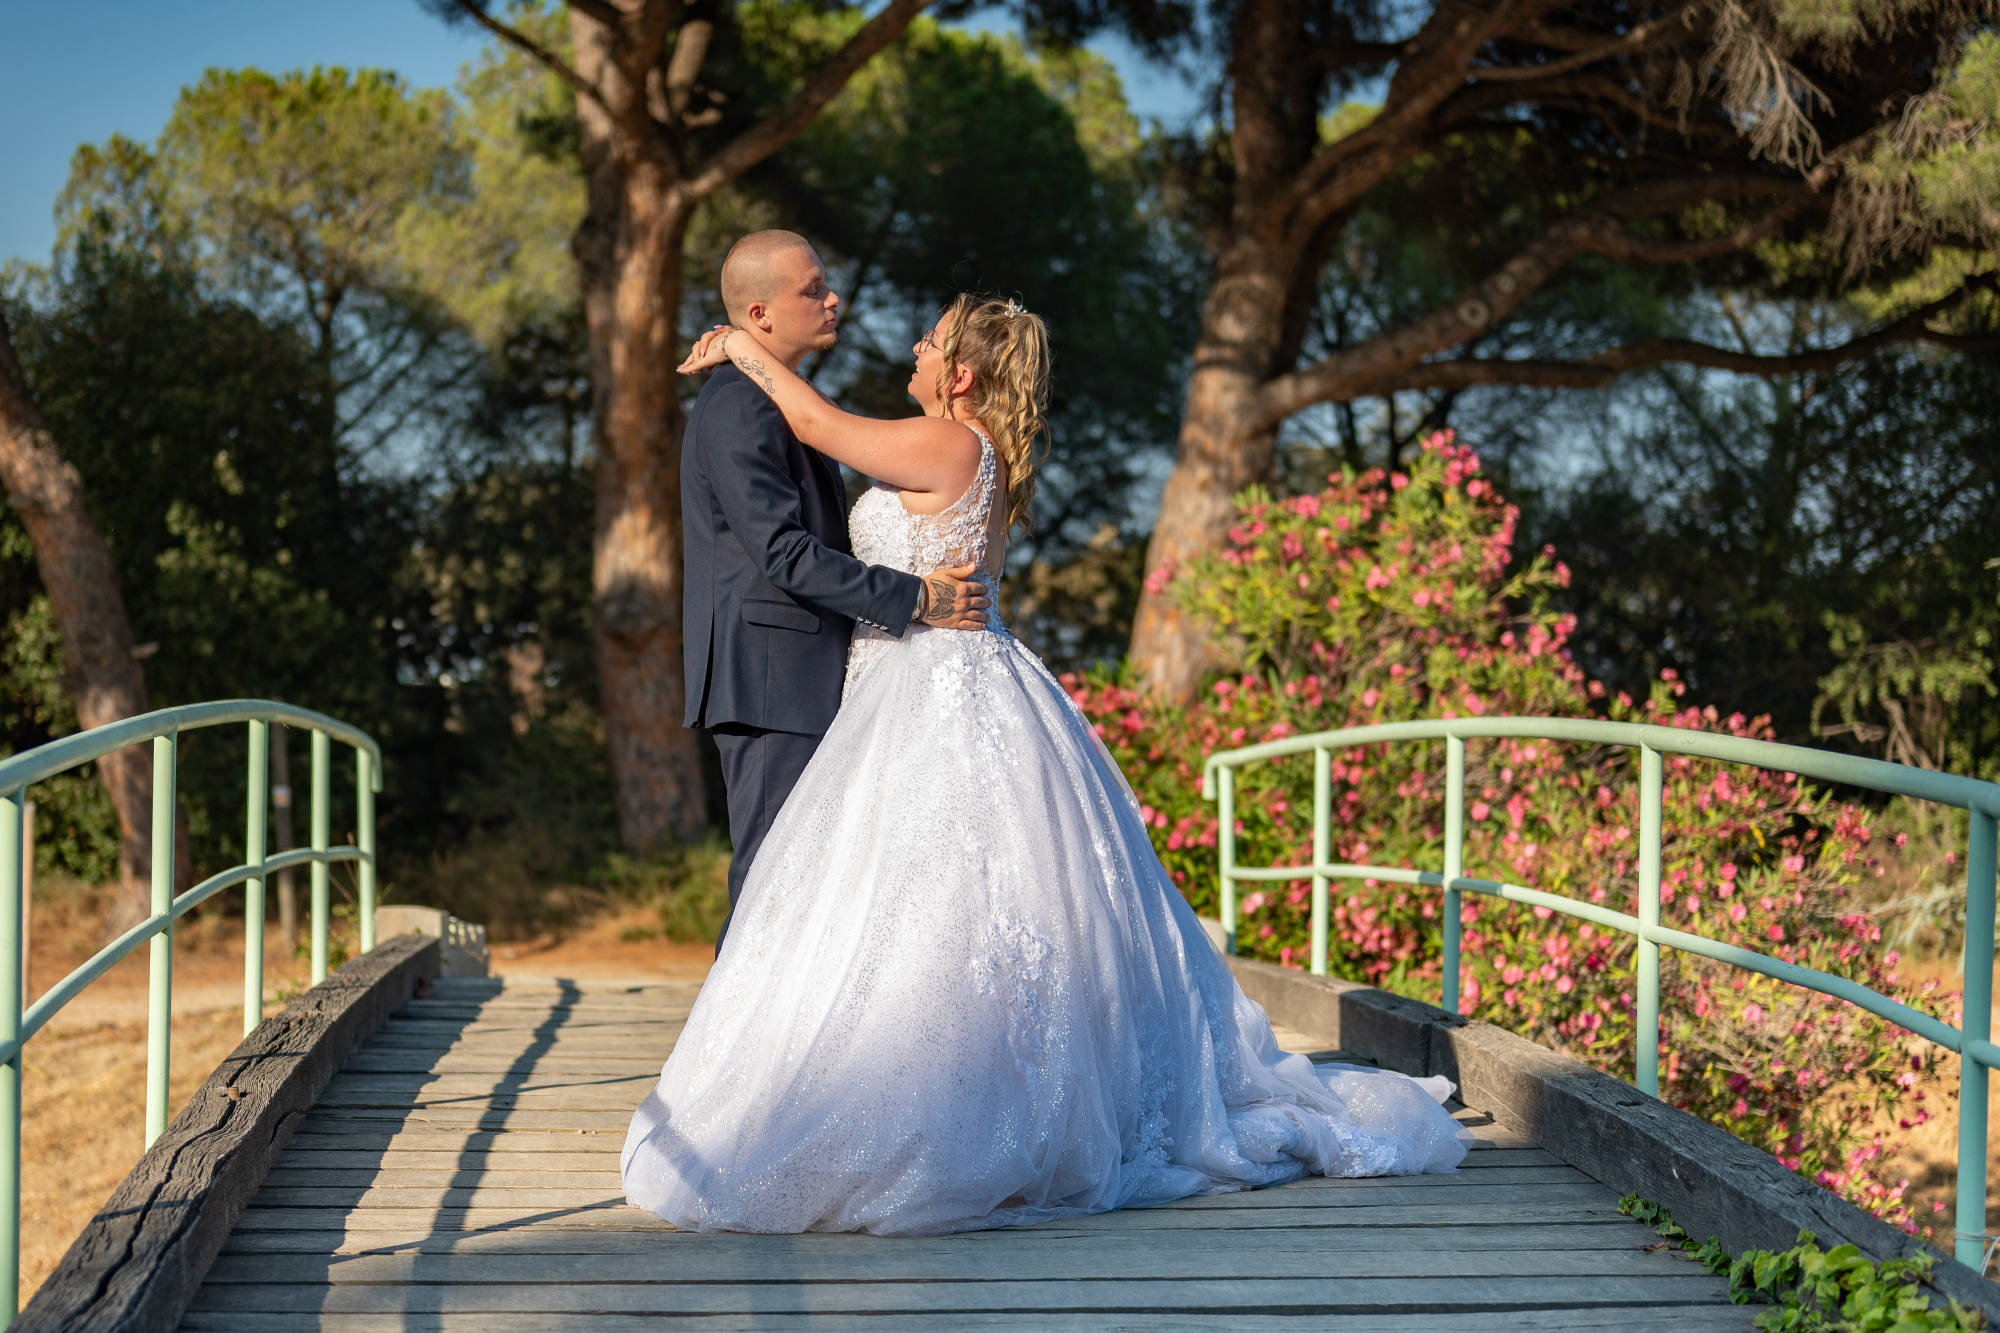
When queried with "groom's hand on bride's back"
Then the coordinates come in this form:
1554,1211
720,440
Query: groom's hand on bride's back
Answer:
951,599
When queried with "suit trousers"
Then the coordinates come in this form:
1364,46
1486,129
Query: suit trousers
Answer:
759,769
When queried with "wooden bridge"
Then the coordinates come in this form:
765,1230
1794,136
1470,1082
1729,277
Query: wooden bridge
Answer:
461,1172
456,1167
400,1150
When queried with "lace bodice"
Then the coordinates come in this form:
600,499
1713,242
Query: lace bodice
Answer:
882,532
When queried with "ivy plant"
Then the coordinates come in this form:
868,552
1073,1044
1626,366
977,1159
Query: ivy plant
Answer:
1813,1288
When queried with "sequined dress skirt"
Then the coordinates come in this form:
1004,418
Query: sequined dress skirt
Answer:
960,992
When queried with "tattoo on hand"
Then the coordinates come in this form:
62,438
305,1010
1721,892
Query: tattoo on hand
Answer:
943,601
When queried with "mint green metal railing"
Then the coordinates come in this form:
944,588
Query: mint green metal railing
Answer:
22,771
1973,1045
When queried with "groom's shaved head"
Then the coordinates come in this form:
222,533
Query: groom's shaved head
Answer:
748,274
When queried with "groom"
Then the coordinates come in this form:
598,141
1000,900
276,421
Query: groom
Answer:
772,591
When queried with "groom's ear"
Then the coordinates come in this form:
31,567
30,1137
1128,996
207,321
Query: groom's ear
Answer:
758,314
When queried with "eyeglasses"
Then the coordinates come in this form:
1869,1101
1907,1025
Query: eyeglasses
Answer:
928,341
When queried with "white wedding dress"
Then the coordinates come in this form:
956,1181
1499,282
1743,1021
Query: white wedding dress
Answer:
960,991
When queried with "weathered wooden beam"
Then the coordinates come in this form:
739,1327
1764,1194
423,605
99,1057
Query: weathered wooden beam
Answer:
565,1304
1712,1182
139,1263
1601,1319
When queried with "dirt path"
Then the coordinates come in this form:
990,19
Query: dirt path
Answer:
601,950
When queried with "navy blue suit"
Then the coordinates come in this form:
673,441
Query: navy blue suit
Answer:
771,597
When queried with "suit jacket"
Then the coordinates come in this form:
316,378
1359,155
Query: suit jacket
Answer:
772,590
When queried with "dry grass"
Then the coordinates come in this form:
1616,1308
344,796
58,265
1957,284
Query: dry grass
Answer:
1927,1154
83,1092
1917,894
83,1121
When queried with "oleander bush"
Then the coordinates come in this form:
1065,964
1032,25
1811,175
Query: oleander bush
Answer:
1391,597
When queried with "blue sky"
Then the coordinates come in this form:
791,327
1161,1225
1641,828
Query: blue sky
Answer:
79,71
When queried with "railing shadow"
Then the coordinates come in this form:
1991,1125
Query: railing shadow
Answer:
434,1256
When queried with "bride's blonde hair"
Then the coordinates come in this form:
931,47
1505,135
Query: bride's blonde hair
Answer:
1007,350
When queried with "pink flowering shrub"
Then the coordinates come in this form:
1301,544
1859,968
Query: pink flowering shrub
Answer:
1390,598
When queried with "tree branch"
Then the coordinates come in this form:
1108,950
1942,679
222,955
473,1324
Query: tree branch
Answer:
1599,371
1574,91
548,59
1623,245
1561,38
684,66
1598,228
785,124
604,12
650,27
1607,89
1433,65
1346,55
1640,36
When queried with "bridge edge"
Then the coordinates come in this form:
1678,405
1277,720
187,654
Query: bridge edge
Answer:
1712,1182
202,1172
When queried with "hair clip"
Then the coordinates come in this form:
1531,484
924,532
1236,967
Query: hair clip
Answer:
1013,308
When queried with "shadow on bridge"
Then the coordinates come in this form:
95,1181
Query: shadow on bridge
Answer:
462,1174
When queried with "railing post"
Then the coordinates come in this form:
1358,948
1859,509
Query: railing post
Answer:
27,897
1454,864
321,826
364,839
1646,1023
13,839
160,994
257,787
1322,852
1225,840
1980,868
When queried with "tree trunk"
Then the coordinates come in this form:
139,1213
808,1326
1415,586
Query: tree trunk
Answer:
636,560
1250,322
629,255
104,679
1222,450
641,102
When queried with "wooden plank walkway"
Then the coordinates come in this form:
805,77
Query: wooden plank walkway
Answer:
462,1173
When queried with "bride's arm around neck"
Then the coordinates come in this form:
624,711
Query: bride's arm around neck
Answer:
930,455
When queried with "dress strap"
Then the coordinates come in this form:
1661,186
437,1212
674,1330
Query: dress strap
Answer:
986,480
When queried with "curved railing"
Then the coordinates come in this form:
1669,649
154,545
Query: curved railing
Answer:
20,772
1977,1053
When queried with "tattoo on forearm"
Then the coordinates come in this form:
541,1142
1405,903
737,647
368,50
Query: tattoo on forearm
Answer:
943,601
752,367
755,370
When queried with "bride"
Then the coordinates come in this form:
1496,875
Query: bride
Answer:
959,990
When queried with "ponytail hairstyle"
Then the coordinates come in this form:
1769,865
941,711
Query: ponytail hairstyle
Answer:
1007,350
